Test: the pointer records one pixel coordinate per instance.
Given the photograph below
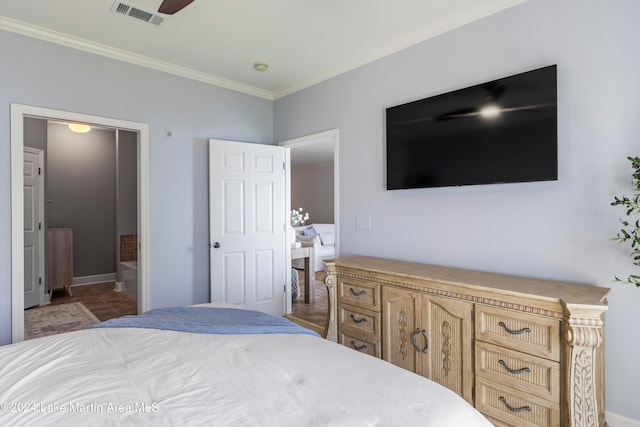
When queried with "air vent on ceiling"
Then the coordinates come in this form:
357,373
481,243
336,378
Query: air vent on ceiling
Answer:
121,8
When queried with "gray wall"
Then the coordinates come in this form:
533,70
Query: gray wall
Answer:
556,230
81,185
127,215
35,134
312,189
43,74
90,258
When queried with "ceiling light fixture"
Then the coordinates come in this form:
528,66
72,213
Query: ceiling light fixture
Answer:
260,66
79,128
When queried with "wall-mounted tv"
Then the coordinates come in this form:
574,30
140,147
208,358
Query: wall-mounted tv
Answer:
502,131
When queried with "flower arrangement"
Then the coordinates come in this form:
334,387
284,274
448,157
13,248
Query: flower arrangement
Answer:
298,218
630,231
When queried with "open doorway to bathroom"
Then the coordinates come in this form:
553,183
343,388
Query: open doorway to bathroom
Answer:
21,259
90,225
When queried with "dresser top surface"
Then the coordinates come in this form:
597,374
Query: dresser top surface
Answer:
569,293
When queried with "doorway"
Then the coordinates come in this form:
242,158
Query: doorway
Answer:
18,113
89,224
315,155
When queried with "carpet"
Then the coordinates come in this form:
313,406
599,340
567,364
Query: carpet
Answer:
55,319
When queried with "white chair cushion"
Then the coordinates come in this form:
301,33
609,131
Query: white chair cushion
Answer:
324,228
328,238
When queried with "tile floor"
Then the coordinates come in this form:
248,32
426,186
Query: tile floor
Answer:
100,299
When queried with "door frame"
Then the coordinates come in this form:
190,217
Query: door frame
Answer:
43,284
18,112
331,135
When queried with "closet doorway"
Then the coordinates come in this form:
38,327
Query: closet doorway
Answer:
139,131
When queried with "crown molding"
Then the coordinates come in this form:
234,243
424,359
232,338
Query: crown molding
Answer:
447,24
41,33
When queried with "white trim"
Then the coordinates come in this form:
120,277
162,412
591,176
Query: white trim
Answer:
288,238
17,226
615,420
125,56
325,136
447,24
332,135
18,112
98,278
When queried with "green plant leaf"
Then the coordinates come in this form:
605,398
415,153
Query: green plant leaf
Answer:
631,232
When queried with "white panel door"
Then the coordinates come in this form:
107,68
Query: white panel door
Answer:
33,227
247,225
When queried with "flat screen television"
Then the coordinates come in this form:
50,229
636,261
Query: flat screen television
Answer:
502,131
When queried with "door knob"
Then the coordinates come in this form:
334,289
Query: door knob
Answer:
216,245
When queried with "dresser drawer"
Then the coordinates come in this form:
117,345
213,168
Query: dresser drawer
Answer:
359,293
359,321
366,346
524,332
496,422
520,371
513,407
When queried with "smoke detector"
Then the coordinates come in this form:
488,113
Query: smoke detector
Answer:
152,18
260,66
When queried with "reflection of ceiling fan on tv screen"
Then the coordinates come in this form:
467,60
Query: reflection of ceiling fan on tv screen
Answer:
169,7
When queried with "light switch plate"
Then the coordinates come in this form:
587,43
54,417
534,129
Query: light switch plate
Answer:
363,222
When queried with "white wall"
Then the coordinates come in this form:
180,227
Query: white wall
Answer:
558,230
312,189
37,73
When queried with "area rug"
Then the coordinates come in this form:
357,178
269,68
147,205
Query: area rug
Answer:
55,319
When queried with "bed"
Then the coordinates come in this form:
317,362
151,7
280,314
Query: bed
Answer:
130,375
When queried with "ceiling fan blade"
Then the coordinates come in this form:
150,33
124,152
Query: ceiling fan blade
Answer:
495,91
169,7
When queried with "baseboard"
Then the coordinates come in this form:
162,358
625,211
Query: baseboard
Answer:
98,278
615,420
46,299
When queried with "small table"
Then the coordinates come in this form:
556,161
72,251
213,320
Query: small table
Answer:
306,252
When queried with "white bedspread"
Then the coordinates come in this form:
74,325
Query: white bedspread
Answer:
134,377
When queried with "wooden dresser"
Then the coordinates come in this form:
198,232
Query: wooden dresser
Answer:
524,352
59,259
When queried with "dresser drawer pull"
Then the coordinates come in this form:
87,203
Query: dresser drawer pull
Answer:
514,371
414,339
358,347
426,341
512,332
512,409
364,319
357,294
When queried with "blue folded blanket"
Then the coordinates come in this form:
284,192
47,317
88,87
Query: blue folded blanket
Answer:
208,320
